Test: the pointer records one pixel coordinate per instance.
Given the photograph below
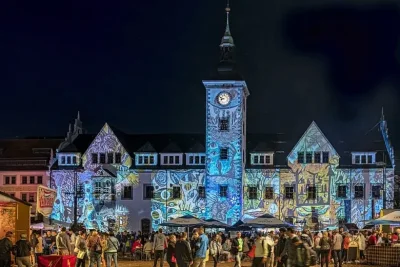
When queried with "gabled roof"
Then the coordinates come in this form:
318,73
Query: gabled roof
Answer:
147,147
15,199
172,147
197,148
80,144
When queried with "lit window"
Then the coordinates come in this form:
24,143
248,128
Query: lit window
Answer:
269,192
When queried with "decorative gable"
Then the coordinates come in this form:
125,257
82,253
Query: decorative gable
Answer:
106,148
313,147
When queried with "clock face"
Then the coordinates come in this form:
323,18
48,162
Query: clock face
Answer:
224,98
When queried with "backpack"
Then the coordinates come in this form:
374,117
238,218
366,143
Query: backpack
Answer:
325,244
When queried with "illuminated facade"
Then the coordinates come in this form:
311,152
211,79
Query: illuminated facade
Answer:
135,182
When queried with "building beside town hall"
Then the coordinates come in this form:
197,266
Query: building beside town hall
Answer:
135,182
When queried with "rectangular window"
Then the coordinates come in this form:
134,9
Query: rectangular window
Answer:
24,196
140,160
224,125
74,161
95,158
203,159
146,160
31,179
118,158
312,192
359,191
223,191
317,157
152,160
13,180
369,158
363,159
300,157
197,160
191,159
342,191
376,191
40,180
202,192
68,159
177,161
127,193
24,180
171,160
110,158
148,191
308,157
255,159
269,192
252,192
261,159
12,194
176,192
357,159
7,179
102,158
289,192
31,197
267,159
325,157
63,160
223,153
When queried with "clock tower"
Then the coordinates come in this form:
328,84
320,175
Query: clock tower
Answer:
226,94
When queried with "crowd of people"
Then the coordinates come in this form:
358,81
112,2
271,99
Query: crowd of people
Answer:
287,247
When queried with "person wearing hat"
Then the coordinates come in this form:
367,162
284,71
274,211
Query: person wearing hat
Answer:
23,252
5,250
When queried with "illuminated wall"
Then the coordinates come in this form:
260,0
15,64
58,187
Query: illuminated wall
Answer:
328,207
227,172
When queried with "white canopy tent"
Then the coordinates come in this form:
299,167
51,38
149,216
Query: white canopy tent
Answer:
391,218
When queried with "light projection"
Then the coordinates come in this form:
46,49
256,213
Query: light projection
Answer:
328,206
225,171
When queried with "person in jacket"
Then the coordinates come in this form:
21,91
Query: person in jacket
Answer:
23,251
93,244
201,253
262,251
215,249
81,248
302,251
325,247
171,259
183,252
280,247
289,250
337,248
5,250
63,243
39,246
111,251
159,246
237,249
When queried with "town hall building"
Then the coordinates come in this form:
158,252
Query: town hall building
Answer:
136,182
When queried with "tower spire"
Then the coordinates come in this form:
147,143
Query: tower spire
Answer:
227,46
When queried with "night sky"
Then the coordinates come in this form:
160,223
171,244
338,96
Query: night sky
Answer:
139,64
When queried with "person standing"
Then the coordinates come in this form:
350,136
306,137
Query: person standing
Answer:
23,252
215,249
80,245
280,246
262,252
337,248
201,253
171,259
5,250
95,249
63,243
325,247
159,246
237,249
289,250
111,253
183,252
39,246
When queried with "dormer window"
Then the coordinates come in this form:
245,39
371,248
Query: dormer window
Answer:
68,159
360,158
196,159
171,159
146,159
262,158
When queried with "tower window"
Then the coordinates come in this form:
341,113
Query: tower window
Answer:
224,125
289,192
202,192
102,158
359,191
95,159
176,192
252,192
300,157
376,191
342,191
317,157
269,192
110,158
308,157
311,192
325,157
223,191
117,158
223,153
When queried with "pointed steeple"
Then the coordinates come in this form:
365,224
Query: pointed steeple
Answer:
382,115
227,47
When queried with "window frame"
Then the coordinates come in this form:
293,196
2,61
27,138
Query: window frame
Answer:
356,196
123,197
269,192
223,124
252,192
171,159
262,159
224,153
339,191
289,191
379,186
176,190
301,157
223,191
202,192
312,192
145,191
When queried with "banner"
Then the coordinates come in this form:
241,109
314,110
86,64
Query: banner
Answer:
45,200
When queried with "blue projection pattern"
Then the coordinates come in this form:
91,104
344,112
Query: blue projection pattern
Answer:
224,150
